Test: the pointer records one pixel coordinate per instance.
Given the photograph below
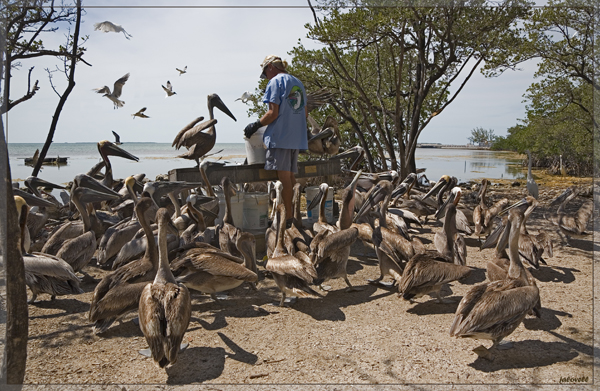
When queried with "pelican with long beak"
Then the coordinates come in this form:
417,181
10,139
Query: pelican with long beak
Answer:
450,235
156,190
493,310
106,149
165,306
205,141
462,222
483,215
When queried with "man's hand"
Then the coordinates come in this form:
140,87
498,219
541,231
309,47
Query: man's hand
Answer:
252,128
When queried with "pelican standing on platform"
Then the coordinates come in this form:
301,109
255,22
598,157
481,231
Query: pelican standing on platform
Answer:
204,141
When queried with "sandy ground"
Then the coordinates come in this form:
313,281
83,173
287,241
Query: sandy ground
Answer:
368,337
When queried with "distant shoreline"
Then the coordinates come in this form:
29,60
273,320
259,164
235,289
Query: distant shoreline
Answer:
451,146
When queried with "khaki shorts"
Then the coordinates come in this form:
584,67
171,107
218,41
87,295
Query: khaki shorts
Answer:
282,160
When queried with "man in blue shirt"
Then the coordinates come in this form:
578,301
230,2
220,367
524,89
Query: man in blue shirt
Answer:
286,133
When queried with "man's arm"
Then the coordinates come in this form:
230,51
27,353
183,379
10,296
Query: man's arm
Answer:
271,114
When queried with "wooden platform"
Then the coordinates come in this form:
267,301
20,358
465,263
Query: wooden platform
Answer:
255,172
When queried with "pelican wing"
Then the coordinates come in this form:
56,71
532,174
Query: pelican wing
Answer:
195,135
119,85
337,241
423,271
178,311
78,251
185,129
497,305
291,266
48,265
211,262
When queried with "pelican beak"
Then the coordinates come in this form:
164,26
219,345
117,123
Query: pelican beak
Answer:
351,153
111,149
493,237
325,133
35,182
317,199
517,204
438,186
352,184
31,199
562,197
400,190
207,212
90,195
88,182
449,200
215,101
374,198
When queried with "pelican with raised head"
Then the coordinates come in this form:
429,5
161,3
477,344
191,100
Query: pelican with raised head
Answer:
493,310
165,306
205,141
571,223
483,215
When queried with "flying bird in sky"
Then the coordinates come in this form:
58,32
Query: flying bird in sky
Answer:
111,27
168,89
116,93
245,96
117,138
182,71
140,113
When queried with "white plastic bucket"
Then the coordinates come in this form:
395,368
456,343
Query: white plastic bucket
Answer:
255,148
313,215
256,211
237,208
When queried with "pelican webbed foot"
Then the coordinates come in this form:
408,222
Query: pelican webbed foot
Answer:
484,353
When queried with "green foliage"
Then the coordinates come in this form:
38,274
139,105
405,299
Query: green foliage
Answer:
560,105
393,69
480,135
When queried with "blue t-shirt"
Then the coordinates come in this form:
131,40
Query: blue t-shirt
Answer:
288,131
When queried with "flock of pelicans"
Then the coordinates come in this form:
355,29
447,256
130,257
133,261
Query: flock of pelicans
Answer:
160,239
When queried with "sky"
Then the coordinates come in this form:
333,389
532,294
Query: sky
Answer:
222,44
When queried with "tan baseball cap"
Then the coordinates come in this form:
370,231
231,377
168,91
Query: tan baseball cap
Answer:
271,59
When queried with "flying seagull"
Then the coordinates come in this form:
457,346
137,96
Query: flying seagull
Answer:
111,27
245,96
182,71
140,113
168,89
116,93
117,138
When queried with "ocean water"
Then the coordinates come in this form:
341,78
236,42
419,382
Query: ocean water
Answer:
159,158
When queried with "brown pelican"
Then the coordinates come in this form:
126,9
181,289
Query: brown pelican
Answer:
165,306
210,270
78,251
156,190
484,215
571,224
427,272
497,268
72,229
292,274
106,149
119,291
493,310
330,254
228,232
532,187
400,249
206,140
38,219
324,139
320,199
462,221
44,273
449,236
117,88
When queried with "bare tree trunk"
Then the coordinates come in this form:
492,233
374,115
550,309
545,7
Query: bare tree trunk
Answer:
14,358
63,97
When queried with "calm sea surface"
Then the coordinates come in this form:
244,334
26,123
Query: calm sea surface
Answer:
159,158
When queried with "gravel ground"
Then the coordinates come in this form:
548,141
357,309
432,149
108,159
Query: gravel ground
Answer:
364,338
